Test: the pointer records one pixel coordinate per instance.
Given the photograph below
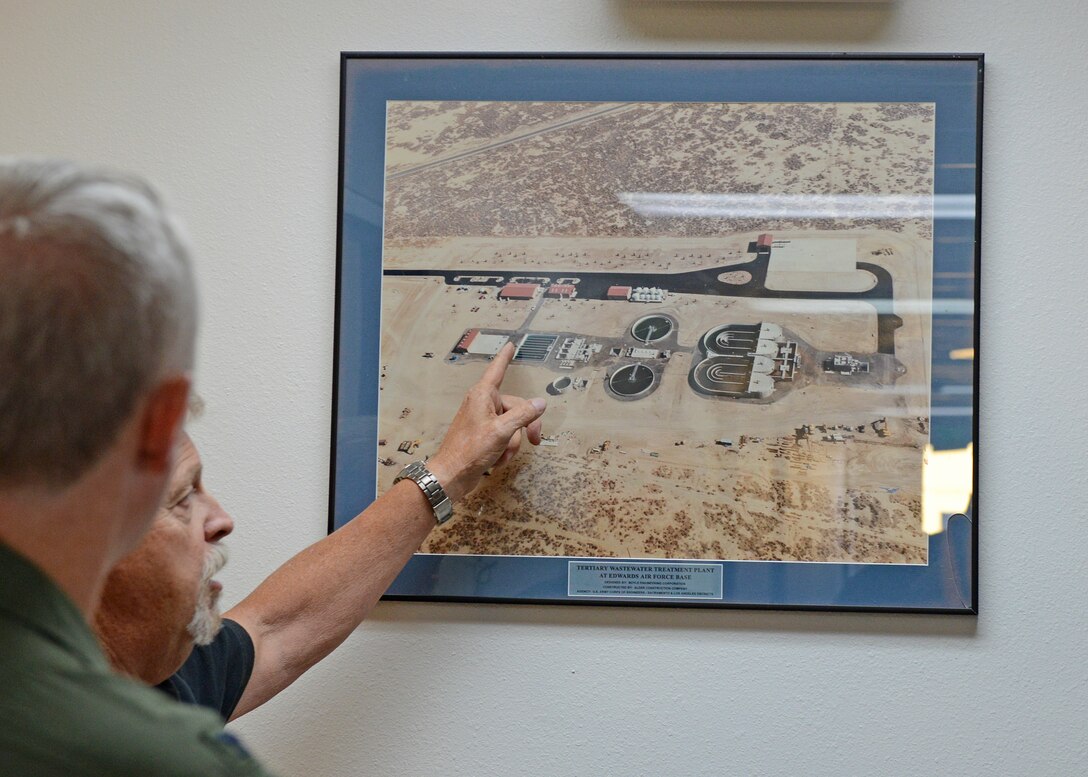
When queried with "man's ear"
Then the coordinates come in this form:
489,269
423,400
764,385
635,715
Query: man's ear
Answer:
163,414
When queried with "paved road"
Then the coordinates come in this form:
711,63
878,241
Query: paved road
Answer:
594,285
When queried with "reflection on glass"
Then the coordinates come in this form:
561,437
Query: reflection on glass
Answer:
947,486
801,206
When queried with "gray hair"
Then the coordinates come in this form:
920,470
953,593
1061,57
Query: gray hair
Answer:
97,302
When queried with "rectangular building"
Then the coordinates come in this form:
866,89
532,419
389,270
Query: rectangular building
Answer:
487,345
518,291
618,292
466,341
561,290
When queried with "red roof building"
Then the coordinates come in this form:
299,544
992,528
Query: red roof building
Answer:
618,292
518,291
561,290
466,341
765,240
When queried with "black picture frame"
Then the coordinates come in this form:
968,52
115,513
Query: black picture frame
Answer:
453,90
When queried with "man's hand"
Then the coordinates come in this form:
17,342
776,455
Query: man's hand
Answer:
486,431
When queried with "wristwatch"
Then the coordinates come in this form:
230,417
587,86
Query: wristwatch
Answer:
417,471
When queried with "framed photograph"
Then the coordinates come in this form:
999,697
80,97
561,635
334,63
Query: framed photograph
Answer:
747,286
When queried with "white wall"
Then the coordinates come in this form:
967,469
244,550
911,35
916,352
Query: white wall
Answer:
232,109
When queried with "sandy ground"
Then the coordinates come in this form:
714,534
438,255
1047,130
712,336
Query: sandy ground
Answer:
599,176
424,135
762,502
647,478
560,254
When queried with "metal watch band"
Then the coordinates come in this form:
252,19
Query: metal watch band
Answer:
418,473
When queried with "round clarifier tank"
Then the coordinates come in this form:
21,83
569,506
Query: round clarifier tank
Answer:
632,381
650,329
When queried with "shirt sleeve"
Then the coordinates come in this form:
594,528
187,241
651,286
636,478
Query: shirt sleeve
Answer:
215,675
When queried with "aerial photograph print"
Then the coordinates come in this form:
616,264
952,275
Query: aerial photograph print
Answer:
726,305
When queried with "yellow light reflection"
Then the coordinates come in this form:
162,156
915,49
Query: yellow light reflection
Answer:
946,485
962,354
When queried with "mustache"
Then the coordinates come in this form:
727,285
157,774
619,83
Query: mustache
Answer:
215,559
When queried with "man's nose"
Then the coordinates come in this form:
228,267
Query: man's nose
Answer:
218,523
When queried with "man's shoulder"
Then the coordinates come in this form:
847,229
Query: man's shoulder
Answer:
73,721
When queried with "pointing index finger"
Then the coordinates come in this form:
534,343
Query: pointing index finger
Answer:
497,369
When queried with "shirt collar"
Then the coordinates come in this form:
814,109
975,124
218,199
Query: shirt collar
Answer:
28,595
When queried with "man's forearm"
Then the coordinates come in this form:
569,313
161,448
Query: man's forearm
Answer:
307,607
311,603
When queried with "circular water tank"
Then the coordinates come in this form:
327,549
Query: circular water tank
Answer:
632,381
559,385
650,329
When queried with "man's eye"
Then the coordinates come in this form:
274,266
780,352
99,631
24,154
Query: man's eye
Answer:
187,498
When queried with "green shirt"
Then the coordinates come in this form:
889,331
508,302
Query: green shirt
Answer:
63,713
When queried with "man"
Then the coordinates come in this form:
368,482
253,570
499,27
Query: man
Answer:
160,600
97,326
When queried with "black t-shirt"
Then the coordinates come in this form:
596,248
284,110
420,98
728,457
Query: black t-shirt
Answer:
215,675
